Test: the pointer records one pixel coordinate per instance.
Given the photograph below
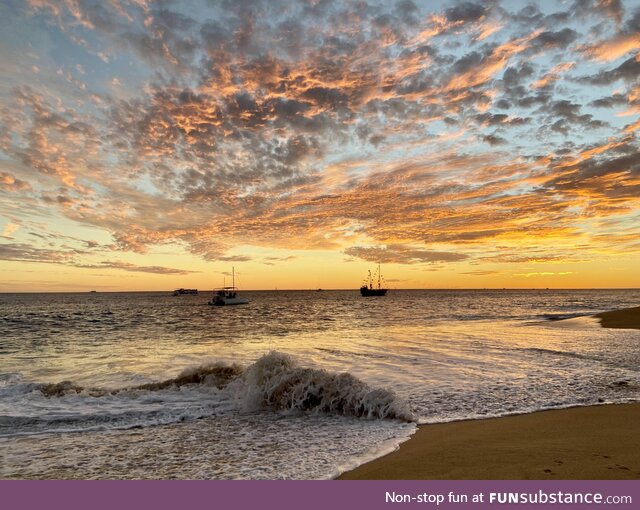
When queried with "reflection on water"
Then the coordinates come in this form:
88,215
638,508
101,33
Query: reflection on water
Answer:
445,354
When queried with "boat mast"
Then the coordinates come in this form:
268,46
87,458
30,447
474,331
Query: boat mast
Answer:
233,273
378,275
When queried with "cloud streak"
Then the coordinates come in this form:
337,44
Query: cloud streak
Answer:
20,252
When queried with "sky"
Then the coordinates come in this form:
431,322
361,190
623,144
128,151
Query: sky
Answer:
155,145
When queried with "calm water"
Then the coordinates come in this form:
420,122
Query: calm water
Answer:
293,385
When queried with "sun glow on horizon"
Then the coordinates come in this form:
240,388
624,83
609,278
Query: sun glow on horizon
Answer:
460,145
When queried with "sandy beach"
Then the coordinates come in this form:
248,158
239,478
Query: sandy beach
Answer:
628,318
593,443
598,442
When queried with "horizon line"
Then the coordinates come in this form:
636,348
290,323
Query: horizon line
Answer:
96,291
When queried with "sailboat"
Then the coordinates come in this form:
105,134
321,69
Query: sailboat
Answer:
368,289
228,295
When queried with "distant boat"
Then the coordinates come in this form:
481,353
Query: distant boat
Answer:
92,291
228,295
182,292
368,289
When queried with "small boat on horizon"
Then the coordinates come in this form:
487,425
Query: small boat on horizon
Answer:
228,295
368,289
183,292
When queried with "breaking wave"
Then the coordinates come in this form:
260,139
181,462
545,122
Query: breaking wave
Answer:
217,375
275,382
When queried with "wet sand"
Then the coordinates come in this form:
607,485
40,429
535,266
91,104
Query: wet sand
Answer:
628,318
582,443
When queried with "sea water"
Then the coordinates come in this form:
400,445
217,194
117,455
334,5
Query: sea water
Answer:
296,384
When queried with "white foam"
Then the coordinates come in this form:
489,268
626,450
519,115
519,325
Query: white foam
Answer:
582,322
273,420
230,446
276,381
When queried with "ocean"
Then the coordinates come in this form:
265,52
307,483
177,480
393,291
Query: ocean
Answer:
294,385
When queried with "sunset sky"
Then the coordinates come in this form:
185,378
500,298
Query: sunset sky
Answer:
154,145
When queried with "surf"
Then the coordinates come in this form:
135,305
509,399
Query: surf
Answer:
276,382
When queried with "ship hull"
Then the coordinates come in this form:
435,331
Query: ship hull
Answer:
229,301
367,292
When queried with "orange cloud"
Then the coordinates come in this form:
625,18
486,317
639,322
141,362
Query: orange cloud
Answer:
487,29
613,48
439,25
492,64
553,75
632,127
10,183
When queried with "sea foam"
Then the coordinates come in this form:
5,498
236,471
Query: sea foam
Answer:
275,382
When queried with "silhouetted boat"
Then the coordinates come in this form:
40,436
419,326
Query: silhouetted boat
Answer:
182,292
368,289
228,295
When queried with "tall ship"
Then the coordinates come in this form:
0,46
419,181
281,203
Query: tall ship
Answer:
228,295
368,288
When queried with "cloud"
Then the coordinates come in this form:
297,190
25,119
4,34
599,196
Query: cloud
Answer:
482,70
609,101
549,40
127,266
613,49
494,140
481,272
465,12
563,113
544,273
21,252
625,40
628,71
234,258
553,75
612,8
9,229
527,259
387,132
402,254
10,183
613,177
630,128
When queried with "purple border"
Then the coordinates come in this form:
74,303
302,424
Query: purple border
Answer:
283,495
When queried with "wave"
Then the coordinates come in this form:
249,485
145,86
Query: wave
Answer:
27,425
563,316
217,375
275,382
553,352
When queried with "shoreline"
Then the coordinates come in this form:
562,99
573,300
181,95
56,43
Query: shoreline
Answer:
594,442
625,318
599,442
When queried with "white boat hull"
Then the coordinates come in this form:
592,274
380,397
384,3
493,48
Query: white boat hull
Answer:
229,301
